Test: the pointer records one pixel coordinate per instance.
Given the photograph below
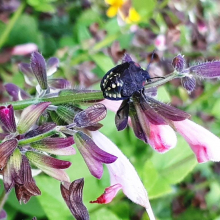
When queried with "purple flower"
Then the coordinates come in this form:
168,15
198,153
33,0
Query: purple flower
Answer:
150,120
7,118
72,194
16,153
92,154
40,69
178,63
206,70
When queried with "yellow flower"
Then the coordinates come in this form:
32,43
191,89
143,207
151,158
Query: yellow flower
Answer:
115,5
133,16
124,9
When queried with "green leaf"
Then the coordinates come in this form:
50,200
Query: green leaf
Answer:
81,32
103,62
215,109
24,31
163,95
164,170
104,214
213,196
144,8
51,199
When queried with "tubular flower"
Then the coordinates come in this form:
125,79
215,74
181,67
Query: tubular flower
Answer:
122,175
150,120
154,127
19,148
205,145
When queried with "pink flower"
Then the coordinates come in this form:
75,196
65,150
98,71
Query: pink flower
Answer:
161,138
160,42
204,144
122,175
24,49
108,195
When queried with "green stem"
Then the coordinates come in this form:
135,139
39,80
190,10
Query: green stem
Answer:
75,98
162,81
38,137
63,99
11,24
19,105
3,199
68,96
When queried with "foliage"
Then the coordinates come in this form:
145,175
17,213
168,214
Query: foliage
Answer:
89,43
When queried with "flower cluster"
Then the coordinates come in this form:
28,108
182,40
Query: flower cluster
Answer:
154,122
52,122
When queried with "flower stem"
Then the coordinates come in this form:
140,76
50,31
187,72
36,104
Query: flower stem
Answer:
62,99
11,24
162,81
39,137
3,199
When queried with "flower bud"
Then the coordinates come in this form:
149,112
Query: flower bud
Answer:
178,63
38,66
7,118
189,83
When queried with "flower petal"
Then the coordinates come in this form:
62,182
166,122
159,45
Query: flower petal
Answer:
38,67
59,83
49,165
52,65
189,83
40,130
167,111
206,70
6,150
72,194
28,189
138,130
3,215
30,115
7,118
92,154
162,138
25,68
121,117
15,92
3,135
108,195
92,115
122,172
11,173
178,63
57,146
204,144
24,49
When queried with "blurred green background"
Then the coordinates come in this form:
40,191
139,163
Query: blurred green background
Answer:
90,37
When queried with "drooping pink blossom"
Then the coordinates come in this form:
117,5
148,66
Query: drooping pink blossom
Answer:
123,174
204,144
